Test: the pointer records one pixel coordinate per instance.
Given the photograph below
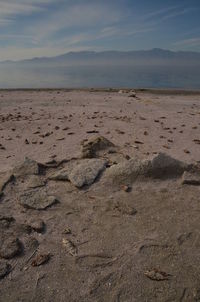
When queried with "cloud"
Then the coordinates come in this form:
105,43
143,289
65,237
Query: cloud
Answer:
161,12
167,13
188,42
76,17
10,9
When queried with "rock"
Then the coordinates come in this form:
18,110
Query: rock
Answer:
5,178
191,178
127,171
91,148
160,166
5,268
37,225
10,248
37,200
34,181
85,173
28,167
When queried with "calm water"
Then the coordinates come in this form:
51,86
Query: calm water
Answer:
100,76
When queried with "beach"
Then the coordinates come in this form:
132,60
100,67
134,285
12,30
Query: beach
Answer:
99,195
46,124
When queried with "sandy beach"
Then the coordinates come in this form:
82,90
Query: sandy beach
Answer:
106,207
50,124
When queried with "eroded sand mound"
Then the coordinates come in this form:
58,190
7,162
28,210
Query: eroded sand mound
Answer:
160,166
72,231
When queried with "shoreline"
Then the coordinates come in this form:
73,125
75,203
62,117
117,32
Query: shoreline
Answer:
163,91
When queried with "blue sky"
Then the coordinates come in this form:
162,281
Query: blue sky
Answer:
30,28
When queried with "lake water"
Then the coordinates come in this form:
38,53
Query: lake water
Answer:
13,76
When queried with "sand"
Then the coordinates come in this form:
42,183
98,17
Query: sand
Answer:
166,122
135,239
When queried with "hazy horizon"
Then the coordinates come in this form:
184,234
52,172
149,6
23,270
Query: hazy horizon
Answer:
65,43
38,28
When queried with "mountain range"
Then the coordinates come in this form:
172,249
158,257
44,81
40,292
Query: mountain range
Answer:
154,56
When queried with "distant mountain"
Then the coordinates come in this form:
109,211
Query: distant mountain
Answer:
154,56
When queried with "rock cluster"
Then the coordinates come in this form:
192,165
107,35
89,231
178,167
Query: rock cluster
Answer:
93,147
32,179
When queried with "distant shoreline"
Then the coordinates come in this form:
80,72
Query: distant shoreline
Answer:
166,91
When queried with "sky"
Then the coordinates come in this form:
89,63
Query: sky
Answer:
37,28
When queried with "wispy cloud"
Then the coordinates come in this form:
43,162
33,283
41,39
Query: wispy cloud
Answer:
10,9
76,16
49,27
161,12
159,16
188,42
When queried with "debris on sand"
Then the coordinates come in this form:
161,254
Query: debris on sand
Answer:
67,231
37,200
85,173
92,147
157,275
10,248
40,259
191,178
70,247
5,268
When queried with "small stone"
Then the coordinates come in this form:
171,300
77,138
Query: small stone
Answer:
10,248
5,268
